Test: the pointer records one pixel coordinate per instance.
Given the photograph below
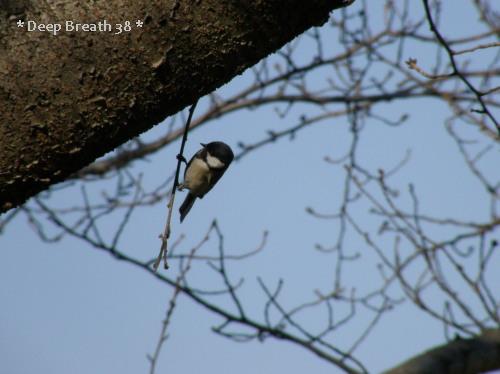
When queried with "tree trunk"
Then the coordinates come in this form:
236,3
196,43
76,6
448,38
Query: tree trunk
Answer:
68,96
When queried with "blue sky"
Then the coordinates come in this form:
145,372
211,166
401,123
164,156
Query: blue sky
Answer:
69,308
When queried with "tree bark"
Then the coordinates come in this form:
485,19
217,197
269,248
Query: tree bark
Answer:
69,98
461,356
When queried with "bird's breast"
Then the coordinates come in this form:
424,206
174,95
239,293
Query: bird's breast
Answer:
197,177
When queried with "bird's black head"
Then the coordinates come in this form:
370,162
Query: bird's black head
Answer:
220,150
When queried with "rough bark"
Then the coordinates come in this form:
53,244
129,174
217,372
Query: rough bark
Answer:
70,98
461,356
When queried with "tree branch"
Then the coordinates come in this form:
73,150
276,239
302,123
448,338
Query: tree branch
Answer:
456,70
461,356
90,92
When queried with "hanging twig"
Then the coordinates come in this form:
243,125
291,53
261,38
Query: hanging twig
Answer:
153,359
166,233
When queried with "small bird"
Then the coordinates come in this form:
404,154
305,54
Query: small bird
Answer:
203,171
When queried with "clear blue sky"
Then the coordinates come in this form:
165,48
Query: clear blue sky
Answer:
68,308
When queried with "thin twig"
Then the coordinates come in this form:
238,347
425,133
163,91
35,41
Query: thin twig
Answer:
153,360
166,233
477,47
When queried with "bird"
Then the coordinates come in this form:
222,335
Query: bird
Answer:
203,171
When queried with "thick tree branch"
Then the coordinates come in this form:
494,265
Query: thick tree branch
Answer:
461,356
69,98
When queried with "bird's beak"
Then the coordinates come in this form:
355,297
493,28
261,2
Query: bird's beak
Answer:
203,145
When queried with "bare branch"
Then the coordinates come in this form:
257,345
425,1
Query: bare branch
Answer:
456,70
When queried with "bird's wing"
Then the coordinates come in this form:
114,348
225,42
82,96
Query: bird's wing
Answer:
216,175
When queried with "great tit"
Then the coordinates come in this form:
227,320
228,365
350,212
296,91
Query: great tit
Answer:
203,171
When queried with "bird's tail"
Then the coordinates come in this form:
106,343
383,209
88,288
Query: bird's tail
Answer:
187,205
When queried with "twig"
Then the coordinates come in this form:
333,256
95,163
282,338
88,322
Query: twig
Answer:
153,360
166,233
412,64
477,47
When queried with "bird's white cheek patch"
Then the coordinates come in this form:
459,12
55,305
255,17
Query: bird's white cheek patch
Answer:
214,162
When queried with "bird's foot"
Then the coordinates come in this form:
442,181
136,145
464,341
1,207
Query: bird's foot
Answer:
181,158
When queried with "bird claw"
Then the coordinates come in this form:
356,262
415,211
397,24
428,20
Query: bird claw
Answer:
181,158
